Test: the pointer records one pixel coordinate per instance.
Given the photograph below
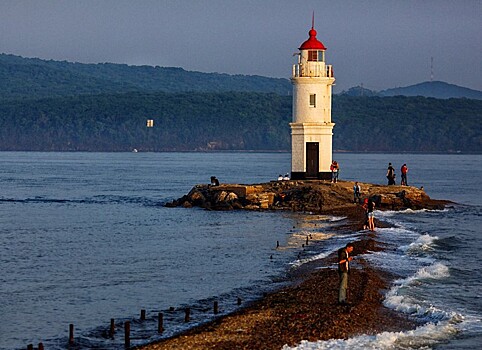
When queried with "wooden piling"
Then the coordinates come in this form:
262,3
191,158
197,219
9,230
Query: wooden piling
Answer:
112,327
30,347
143,315
71,333
306,240
160,323
277,244
239,301
187,316
127,334
216,307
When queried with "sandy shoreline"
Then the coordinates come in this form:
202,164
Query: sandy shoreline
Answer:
306,310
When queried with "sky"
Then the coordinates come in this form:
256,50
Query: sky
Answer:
378,43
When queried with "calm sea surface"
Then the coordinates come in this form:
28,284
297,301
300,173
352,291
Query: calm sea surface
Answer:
84,238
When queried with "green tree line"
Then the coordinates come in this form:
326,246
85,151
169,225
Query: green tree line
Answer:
233,121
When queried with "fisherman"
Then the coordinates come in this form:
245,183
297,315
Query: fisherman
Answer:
344,259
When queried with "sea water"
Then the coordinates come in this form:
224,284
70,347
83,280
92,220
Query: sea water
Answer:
84,237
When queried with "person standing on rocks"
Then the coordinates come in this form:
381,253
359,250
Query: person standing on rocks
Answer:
335,168
371,215
344,259
404,171
391,174
214,181
356,193
366,225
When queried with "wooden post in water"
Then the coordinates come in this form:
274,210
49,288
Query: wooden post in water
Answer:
30,347
306,240
160,323
216,307
277,244
112,327
127,334
143,315
239,301
71,333
187,317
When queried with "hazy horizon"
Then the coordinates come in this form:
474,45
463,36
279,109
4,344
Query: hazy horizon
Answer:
380,44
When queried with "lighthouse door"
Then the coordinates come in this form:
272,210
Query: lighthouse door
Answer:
312,159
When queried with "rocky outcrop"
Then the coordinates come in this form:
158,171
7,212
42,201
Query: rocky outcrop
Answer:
307,196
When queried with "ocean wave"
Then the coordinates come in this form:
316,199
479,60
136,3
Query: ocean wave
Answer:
423,243
422,337
337,218
299,262
389,213
394,299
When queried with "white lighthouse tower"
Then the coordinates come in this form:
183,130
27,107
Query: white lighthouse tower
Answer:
311,129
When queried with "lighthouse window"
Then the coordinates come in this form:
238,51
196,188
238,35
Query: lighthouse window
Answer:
313,100
313,56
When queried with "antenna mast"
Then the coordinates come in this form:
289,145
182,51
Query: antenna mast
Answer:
431,69
313,20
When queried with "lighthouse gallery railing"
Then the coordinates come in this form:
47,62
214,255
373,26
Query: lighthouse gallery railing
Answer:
312,70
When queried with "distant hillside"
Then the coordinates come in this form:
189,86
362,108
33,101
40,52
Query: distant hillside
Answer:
34,78
359,91
234,121
436,89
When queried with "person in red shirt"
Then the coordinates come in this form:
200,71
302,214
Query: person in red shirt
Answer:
404,170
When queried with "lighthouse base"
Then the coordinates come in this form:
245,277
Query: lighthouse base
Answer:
303,176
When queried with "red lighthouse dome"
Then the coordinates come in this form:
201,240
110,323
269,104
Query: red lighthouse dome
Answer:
312,43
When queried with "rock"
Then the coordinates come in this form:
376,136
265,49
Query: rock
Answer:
231,197
220,196
305,196
172,204
237,205
196,197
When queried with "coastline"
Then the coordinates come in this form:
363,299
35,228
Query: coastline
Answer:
307,308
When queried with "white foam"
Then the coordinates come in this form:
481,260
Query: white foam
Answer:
399,230
299,262
337,218
412,211
423,243
422,337
435,271
394,299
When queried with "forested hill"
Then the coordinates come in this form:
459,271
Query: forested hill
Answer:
33,78
234,121
436,89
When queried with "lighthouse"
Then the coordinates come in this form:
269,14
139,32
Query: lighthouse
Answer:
311,129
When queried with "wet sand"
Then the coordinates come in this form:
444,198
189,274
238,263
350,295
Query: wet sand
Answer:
306,310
